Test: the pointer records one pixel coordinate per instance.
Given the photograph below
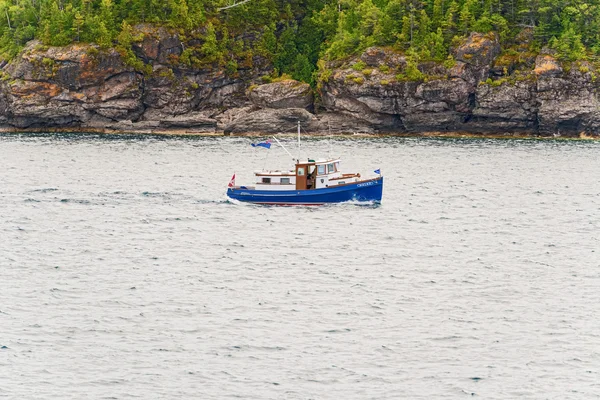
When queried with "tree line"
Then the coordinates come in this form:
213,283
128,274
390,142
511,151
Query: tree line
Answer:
295,34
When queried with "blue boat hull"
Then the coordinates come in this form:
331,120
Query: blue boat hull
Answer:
369,190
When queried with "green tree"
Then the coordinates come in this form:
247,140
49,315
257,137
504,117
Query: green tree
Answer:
569,45
438,13
370,17
466,18
180,17
391,22
125,37
303,69
104,38
210,47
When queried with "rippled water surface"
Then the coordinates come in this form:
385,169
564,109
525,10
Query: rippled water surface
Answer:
126,273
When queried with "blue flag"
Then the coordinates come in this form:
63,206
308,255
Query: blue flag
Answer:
266,145
377,171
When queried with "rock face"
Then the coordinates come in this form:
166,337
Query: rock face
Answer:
82,87
507,108
69,87
285,94
443,102
462,97
270,120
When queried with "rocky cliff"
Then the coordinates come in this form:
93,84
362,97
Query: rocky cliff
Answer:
479,90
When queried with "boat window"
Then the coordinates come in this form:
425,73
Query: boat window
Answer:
266,180
300,171
285,181
321,169
330,168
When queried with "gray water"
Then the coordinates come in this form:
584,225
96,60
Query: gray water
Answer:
126,273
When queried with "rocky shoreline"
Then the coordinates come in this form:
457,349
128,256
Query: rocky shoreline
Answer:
479,92
340,135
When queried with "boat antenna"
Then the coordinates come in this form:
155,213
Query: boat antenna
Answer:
283,147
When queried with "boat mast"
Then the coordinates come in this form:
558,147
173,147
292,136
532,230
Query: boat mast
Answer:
298,140
329,138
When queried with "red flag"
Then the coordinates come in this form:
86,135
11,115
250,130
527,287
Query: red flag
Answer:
232,181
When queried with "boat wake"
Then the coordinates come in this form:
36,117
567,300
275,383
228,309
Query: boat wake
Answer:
349,203
361,203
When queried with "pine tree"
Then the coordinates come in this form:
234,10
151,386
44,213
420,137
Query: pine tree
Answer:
569,44
125,37
466,18
370,17
438,13
449,26
104,38
210,47
78,26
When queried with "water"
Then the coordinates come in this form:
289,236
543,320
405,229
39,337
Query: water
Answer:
126,273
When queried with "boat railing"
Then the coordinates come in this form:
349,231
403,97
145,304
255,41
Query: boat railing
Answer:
274,173
345,176
275,183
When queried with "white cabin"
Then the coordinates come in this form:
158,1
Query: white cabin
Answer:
307,175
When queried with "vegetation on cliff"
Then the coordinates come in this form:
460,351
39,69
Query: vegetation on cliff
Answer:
294,35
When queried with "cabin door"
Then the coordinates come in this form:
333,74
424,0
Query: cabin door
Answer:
301,176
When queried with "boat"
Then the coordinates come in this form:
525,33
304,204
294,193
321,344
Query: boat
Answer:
309,182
